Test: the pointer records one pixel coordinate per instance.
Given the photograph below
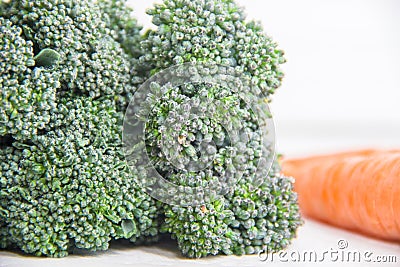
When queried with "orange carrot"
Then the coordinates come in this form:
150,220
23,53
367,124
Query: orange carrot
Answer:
357,190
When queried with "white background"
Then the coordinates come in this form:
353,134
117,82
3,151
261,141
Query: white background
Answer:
341,91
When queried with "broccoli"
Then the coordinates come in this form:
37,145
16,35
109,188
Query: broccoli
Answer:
260,209
70,186
65,79
73,74
28,95
204,30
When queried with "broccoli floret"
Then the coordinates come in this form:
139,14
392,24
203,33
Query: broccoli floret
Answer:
27,96
196,120
204,30
17,53
123,27
260,208
266,217
66,81
68,71
92,60
70,187
201,230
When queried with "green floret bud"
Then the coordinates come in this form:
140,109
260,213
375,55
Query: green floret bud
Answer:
26,107
68,71
86,39
16,52
198,135
65,79
28,94
123,27
196,121
71,187
200,31
201,230
265,217
260,205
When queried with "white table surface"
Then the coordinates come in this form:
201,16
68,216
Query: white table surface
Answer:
313,236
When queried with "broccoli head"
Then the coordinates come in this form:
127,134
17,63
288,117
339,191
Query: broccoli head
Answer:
70,187
204,30
28,95
259,208
66,81
220,141
92,56
73,73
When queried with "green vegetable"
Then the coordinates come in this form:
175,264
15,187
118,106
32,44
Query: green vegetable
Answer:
65,82
205,30
68,71
261,208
